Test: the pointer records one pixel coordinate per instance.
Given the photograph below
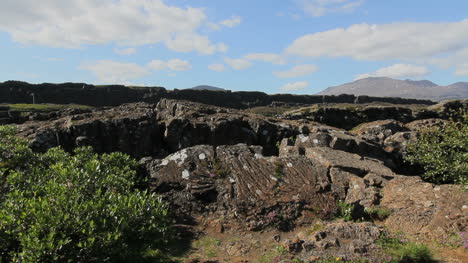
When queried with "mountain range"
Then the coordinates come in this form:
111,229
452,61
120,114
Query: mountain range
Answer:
412,89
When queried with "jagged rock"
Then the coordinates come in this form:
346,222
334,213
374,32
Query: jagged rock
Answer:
392,137
131,129
189,124
351,116
378,131
334,139
419,125
149,130
244,184
425,210
240,183
346,241
353,163
445,109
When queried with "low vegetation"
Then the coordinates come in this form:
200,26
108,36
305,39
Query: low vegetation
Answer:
443,151
398,249
269,111
44,107
81,207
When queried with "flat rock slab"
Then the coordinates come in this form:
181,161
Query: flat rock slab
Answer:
425,210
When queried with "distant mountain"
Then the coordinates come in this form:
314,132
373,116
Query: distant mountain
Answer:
206,87
412,89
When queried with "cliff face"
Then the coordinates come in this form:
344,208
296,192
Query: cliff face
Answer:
114,95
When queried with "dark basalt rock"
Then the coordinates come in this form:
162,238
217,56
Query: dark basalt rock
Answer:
114,95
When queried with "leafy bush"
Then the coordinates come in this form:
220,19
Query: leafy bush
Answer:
443,152
58,207
14,152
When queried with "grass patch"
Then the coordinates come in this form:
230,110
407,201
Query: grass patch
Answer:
44,107
269,111
399,250
208,246
273,255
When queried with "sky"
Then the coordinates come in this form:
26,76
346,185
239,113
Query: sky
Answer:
273,46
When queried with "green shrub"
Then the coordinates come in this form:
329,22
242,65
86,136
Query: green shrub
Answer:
400,250
443,152
14,152
345,211
84,207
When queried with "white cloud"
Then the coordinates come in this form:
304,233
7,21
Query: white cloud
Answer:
300,85
113,72
405,41
213,26
173,64
456,60
462,70
266,57
178,65
189,42
238,64
125,51
397,71
297,71
216,67
74,23
322,7
231,22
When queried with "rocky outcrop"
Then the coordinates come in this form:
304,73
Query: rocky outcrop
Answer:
156,130
131,129
239,182
114,95
393,137
349,117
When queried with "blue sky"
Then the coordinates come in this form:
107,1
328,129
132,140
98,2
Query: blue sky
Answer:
275,46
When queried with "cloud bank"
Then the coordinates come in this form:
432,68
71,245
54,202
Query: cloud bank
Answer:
75,23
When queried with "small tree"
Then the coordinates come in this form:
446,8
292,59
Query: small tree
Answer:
58,207
443,151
